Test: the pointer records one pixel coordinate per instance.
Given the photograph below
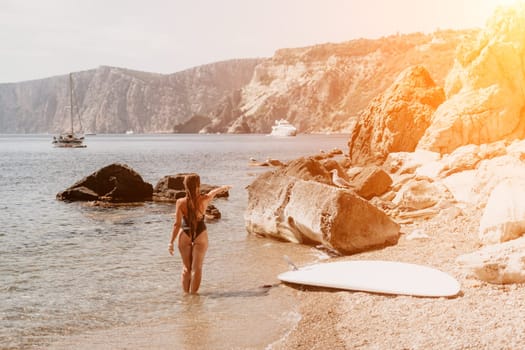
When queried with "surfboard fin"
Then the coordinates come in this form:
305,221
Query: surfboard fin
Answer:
290,262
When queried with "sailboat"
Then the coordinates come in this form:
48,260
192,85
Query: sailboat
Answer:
70,139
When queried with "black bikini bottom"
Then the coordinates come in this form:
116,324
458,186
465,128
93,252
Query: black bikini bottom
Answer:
201,227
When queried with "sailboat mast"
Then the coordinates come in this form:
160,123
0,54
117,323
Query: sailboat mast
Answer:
71,100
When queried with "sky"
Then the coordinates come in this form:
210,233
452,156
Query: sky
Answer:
43,38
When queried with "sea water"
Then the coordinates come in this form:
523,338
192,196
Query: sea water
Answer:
74,275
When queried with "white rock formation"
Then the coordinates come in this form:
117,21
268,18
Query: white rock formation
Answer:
486,88
504,215
497,263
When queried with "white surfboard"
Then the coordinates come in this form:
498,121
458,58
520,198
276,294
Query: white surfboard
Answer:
386,277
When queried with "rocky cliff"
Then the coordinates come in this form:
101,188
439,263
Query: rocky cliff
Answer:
113,100
324,87
319,89
396,119
485,89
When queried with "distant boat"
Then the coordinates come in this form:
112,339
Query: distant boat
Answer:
129,132
70,139
283,128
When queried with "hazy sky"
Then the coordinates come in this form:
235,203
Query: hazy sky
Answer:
42,38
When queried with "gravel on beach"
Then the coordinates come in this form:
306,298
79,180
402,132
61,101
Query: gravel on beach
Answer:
481,316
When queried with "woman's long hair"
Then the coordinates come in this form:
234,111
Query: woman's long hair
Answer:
192,183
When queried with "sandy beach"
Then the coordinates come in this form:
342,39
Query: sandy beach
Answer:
481,316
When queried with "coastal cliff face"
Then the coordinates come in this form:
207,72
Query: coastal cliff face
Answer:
113,100
324,87
320,88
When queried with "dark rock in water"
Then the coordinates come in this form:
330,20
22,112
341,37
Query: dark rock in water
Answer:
212,213
171,187
207,188
115,183
80,193
118,183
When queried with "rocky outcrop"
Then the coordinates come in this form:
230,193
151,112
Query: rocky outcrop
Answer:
485,89
115,183
395,120
118,183
469,173
474,186
486,180
325,87
318,88
192,125
171,187
280,205
114,100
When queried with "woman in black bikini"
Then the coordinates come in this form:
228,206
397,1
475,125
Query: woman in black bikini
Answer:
190,227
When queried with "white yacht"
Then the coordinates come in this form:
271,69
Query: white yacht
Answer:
283,128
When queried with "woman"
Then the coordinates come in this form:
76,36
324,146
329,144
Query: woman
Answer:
190,227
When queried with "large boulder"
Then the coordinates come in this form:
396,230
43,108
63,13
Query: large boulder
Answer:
371,181
288,204
395,120
485,89
115,183
270,192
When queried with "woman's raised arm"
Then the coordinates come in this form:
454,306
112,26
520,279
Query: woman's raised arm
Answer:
216,191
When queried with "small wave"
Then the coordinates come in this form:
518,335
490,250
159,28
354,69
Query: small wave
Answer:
248,293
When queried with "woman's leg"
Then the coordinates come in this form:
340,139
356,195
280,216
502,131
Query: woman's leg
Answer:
200,246
185,250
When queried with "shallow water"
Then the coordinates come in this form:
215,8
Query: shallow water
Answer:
77,276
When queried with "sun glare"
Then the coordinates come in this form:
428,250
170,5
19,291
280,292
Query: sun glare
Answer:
502,2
